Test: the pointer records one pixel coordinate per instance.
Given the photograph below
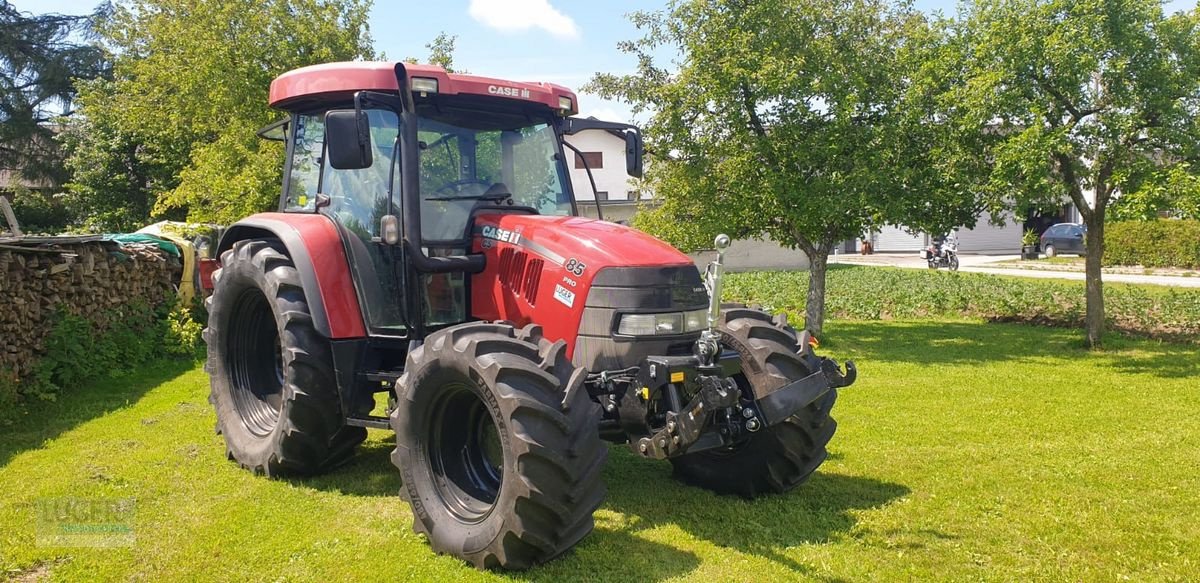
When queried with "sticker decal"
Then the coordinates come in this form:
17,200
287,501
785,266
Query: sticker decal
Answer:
575,266
564,295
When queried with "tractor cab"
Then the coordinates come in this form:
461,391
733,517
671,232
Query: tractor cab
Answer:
427,259
416,167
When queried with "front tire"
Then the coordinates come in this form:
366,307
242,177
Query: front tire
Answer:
780,457
271,373
954,262
498,444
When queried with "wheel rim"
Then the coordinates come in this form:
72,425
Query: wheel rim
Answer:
466,453
255,363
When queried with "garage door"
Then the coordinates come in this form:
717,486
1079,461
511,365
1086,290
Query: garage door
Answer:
988,238
897,239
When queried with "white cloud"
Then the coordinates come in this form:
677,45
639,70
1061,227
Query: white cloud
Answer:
523,15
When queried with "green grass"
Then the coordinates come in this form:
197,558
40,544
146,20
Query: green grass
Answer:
966,451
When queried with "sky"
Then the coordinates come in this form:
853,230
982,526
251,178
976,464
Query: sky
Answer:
560,41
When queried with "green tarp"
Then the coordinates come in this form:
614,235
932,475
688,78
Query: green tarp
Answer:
127,238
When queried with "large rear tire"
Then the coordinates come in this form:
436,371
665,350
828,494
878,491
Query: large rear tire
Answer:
780,457
271,373
499,445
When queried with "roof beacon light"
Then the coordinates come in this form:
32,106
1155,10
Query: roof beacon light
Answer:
424,85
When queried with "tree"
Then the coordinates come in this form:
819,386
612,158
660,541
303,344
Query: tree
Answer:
441,52
793,119
1079,97
177,123
1175,191
41,57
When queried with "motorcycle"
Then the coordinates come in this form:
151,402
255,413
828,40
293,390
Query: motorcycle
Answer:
943,252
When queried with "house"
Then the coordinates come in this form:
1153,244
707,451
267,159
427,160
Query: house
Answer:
604,153
1003,238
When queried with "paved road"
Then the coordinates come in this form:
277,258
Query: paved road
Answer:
985,264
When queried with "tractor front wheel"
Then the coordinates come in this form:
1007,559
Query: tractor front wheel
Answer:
271,373
780,457
498,444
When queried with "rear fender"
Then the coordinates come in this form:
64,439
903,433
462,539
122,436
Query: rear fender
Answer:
315,247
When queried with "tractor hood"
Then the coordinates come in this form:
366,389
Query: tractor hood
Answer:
597,244
576,277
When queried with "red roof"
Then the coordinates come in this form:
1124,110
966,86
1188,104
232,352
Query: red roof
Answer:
332,80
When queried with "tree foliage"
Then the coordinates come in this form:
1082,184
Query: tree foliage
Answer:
791,119
441,52
176,125
1078,97
41,57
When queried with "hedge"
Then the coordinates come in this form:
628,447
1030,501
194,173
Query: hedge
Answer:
880,293
1162,243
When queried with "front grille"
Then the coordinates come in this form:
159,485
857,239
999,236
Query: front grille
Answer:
617,290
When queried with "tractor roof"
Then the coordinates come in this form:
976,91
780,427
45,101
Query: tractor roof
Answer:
305,86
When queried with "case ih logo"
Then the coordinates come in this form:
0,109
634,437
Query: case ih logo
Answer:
508,91
490,232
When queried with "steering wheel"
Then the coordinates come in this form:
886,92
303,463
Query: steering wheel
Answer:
457,186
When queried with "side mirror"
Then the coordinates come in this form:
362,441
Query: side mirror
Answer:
634,149
348,139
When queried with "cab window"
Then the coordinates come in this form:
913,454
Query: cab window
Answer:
305,175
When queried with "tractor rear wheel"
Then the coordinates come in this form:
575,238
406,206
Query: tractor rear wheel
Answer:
498,444
271,373
780,457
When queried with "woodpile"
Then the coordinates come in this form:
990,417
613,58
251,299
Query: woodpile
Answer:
85,276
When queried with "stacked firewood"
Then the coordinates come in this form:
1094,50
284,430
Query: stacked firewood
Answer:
91,278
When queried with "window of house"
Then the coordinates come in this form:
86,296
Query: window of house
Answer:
602,195
594,159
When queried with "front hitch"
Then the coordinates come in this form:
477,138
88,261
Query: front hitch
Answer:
719,414
683,429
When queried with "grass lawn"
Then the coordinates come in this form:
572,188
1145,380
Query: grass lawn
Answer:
965,451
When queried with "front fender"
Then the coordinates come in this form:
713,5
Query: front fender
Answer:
315,247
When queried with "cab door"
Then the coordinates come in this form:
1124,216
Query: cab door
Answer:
356,200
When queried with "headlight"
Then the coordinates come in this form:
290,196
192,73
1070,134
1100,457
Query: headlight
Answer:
662,324
695,320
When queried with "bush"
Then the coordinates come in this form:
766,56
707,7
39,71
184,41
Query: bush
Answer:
875,293
1161,243
76,349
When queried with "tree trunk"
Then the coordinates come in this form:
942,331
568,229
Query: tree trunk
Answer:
814,309
1095,287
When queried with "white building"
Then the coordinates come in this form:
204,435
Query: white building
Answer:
1004,238
604,152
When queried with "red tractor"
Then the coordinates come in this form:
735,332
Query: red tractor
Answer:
428,248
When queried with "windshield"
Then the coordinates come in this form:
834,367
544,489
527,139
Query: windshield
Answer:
471,157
